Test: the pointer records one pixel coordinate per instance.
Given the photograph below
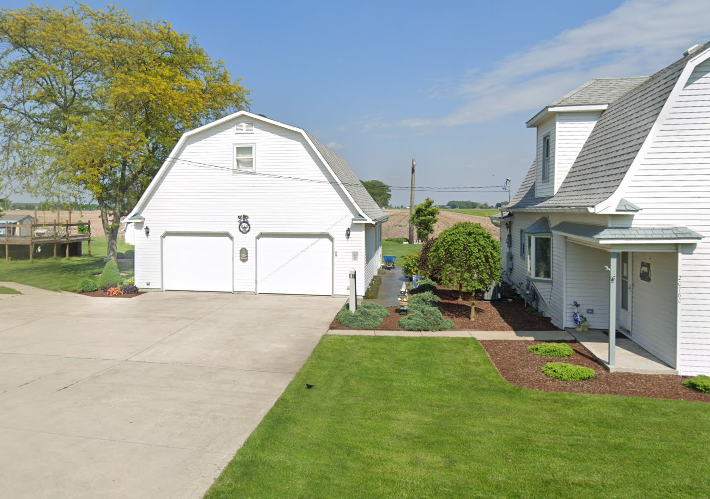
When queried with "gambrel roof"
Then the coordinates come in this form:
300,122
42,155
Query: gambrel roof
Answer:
612,146
599,91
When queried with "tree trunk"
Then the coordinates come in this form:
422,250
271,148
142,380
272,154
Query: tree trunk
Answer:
460,292
473,307
110,230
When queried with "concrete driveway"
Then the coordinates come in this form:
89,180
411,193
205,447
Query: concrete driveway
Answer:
143,397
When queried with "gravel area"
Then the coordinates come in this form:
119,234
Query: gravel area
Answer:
522,368
490,316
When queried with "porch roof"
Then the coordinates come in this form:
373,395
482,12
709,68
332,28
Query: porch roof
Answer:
542,226
612,235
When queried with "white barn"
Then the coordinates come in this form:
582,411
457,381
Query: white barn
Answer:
615,211
248,204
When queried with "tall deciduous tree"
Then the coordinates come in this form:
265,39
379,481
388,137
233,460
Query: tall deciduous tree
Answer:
91,100
467,257
424,217
379,191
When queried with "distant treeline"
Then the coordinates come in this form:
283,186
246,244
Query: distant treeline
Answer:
472,205
7,204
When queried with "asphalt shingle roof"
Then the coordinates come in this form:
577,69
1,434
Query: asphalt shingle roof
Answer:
599,91
611,147
645,233
350,181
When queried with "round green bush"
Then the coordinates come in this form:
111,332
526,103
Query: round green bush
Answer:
425,318
422,300
110,276
700,383
410,265
87,286
552,349
567,372
424,286
368,315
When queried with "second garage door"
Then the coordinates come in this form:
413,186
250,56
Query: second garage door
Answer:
198,262
299,265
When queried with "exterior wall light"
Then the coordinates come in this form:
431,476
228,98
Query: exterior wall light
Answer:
147,231
347,233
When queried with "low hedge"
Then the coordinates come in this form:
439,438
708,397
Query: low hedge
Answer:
552,350
700,383
400,240
425,319
567,372
369,315
424,286
87,286
373,289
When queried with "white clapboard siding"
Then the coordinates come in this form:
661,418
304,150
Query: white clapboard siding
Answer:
571,133
671,183
588,284
654,305
544,189
202,193
373,256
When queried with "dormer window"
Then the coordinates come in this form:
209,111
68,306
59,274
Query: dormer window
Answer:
546,158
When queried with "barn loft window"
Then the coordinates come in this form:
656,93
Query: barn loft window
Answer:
245,127
545,158
244,158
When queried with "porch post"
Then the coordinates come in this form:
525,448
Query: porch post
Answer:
612,308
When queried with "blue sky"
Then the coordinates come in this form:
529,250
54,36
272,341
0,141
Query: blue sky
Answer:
450,83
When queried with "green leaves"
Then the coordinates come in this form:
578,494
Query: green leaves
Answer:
424,218
379,191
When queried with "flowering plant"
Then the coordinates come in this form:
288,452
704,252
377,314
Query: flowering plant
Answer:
579,319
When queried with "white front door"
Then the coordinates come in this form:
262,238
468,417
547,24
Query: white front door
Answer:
624,292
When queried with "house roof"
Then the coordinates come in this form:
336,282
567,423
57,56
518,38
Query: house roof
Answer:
350,181
611,147
599,91
14,218
630,233
542,226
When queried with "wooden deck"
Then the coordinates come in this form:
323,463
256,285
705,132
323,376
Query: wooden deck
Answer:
33,235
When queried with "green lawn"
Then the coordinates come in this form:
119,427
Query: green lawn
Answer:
479,212
399,250
431,417
8,291
62,274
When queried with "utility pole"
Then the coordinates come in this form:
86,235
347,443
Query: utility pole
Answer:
507,185
411,204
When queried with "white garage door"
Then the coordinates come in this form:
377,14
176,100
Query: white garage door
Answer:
296,265
201,262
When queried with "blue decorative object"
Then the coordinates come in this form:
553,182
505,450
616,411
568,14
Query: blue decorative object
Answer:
416,279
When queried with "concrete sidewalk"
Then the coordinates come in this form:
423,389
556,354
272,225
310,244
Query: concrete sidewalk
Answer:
464,333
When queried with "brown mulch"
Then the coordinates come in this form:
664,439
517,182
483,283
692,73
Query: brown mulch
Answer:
490,316
522,368
101,293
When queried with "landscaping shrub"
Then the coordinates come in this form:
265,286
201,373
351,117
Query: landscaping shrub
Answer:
129,254
110,275
82,229
426,285
399,240
700,383
423,300
374,288
369,315
130,280
552,350
425,318
114,291
129,289
426,267
410,265
87,286
567,372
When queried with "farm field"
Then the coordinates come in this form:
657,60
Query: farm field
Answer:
398,223
479,212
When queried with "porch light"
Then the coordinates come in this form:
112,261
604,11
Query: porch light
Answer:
347,233
147,231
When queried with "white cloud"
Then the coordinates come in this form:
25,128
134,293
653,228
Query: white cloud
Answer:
335,146
638,38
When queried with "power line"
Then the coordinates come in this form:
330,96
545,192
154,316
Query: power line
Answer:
452,189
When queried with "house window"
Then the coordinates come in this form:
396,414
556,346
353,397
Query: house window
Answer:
545,158
540,257
244,158
245,128
522,243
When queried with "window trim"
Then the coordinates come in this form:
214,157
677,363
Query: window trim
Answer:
235,166
523,253
546,139
531,257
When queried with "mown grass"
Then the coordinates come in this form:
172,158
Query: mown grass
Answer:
399,250
62,274
479,212
431,417
8,291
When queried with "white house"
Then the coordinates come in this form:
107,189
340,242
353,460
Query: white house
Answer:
615,211
250,204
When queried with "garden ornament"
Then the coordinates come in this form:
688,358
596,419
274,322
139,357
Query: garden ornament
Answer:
579,320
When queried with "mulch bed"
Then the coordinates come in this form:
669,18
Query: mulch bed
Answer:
522,368
101,293
490,316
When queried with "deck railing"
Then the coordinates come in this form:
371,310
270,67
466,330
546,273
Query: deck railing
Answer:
44,233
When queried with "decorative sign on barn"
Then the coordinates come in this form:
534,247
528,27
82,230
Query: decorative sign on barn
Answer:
244,226
243,255
355,255
645,274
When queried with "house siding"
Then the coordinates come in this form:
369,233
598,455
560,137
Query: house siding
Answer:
201,193
571,132
588,284
544,189
372,253
671,183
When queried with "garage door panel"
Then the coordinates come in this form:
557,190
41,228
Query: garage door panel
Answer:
295,265
199,262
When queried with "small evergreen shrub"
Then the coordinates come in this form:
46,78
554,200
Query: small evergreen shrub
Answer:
425,318
700,383
130,254
410,265
552,350
87,286
130,280
567,372
374,289
129,289
110,276
369,315
426,299
426,285
400,240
